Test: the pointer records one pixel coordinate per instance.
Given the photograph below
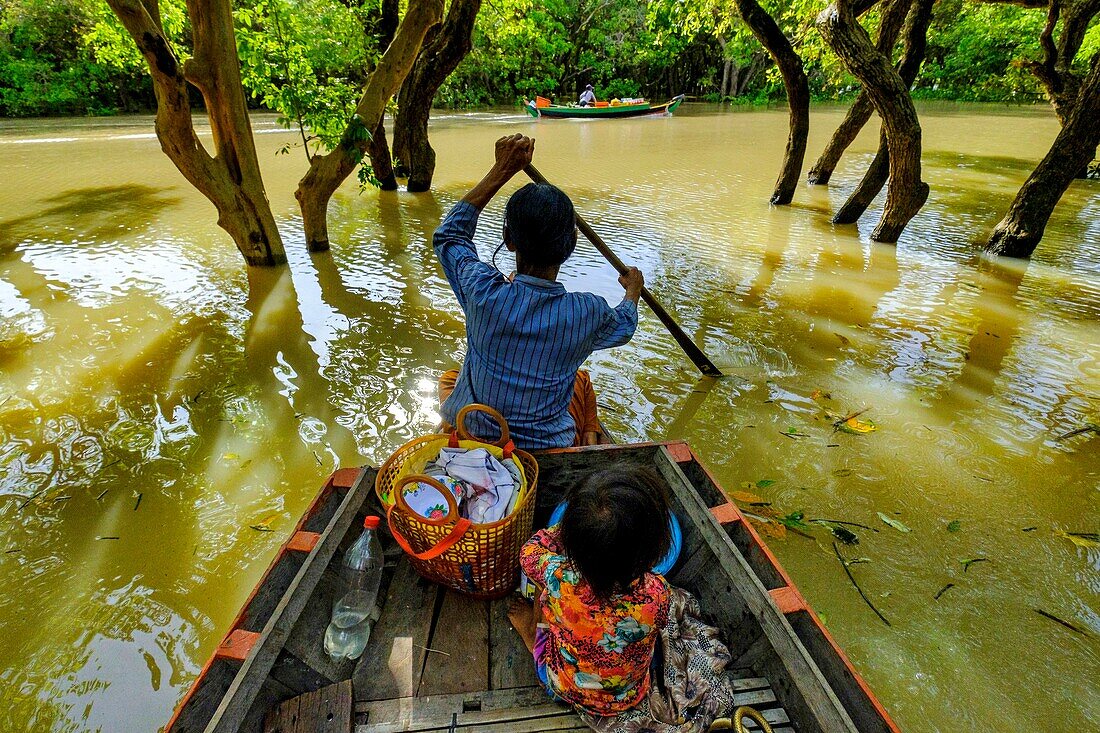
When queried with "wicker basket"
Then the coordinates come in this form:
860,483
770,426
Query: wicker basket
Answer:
480,560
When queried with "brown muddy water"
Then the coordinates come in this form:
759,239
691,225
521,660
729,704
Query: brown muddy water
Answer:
157,401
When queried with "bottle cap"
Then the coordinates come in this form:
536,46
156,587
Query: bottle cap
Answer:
371,522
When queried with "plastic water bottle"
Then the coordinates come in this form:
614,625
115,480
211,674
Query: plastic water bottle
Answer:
354,612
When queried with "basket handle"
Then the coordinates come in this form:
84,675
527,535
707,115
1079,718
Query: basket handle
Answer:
417,478
505,443
452,538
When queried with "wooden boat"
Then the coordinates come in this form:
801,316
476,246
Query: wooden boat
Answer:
601,111
439,661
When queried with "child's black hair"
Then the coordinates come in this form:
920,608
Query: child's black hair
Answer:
616,528
539,221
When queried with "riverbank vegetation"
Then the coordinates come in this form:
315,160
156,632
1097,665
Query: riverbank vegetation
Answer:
332,68
70,57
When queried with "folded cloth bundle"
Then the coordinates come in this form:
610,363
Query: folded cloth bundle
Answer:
490,487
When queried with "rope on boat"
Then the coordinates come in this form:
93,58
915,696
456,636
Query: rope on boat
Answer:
737,723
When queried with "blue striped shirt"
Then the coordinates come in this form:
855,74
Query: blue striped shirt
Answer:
525,340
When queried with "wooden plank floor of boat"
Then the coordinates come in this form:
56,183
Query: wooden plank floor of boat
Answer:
440,661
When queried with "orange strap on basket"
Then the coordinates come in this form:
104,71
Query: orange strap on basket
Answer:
402,506
505,443
460,528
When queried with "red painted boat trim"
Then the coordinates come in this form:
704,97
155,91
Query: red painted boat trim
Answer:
237,639
786,598
237,645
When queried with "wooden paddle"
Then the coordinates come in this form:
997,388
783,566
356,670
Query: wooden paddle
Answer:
705,365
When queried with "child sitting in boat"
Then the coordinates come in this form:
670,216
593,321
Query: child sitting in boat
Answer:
527,336
600,611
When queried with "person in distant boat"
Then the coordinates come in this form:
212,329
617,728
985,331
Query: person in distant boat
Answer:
588,97
527,336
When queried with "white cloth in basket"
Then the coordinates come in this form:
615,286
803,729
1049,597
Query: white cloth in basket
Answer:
490,486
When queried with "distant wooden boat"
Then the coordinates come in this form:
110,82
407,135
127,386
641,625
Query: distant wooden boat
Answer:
542,108
439,661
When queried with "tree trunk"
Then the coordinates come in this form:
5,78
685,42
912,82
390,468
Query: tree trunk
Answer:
1019,232
231,178
861,109
889,94
380,161
437,59
1055,72
327,172
872,182
727,63
916,34
767,31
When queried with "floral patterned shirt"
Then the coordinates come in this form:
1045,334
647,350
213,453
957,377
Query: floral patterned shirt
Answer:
600,652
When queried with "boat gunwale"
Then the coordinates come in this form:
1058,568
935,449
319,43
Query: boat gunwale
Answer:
788,600
609,112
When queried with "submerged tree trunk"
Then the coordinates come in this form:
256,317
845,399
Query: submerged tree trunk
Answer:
889,94
230,178
860,111
379,152
767,31
380,161
327,172
437,59
916,34
1019,232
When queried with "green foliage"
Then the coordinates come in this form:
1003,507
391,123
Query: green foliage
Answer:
307,60
46,66
975,53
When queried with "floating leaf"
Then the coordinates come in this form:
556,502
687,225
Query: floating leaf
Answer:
842,472
744,497
954,525
770,530
967,563
857,427
794,520
230,457
846,536
764,483
857,560
817,394
264,525
899,526
1081,539
766,527
843,339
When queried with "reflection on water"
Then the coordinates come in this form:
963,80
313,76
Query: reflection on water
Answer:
156,400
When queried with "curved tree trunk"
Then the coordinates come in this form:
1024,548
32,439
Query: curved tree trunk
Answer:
860,111
230,178
916,34
889,94
1020,231
767,31
437,59
380,162
327,172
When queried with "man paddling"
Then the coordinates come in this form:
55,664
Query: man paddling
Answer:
527,336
